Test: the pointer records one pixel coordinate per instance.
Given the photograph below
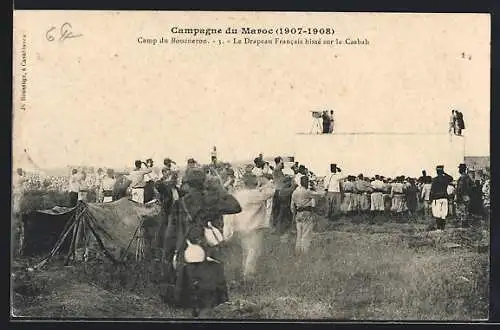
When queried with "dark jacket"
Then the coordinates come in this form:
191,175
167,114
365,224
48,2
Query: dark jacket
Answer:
120,187
464,187
460,120
278,178
202,284
439,186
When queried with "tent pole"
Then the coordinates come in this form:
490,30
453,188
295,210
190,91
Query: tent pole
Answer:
62,236
71,252
60,241
55,249
131,240
66,227
80,231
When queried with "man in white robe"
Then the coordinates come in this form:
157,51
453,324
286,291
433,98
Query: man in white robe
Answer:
250,224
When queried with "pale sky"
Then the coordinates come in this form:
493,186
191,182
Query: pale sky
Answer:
103,99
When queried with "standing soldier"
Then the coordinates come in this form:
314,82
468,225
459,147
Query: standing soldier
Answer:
213,156
167,168
460,122
425,196
439,196
411,197
462,195
451,199
74,187
453,128
98,182
302,206
18,188
107,184
333,189
251,224
331,122
230,180
84,187
278,179
326,122
486,195
363,189
17,195
149,182
137,181
377,197
398,196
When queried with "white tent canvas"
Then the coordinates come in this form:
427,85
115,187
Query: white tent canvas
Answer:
23,160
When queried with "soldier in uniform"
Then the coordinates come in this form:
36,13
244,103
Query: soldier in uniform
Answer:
17,195
462,195
149,182
439,196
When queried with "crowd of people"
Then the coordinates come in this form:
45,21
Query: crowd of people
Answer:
207,205
344,194
33,181
283,198
401,196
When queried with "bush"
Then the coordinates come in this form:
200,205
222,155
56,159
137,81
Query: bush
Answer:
33,200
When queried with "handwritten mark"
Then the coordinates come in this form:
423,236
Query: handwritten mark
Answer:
64,32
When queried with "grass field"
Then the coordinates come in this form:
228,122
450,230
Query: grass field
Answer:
355,271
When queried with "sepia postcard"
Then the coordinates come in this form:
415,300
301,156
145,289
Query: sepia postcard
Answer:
250,166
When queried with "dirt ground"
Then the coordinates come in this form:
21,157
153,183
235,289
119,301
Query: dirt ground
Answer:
356,271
